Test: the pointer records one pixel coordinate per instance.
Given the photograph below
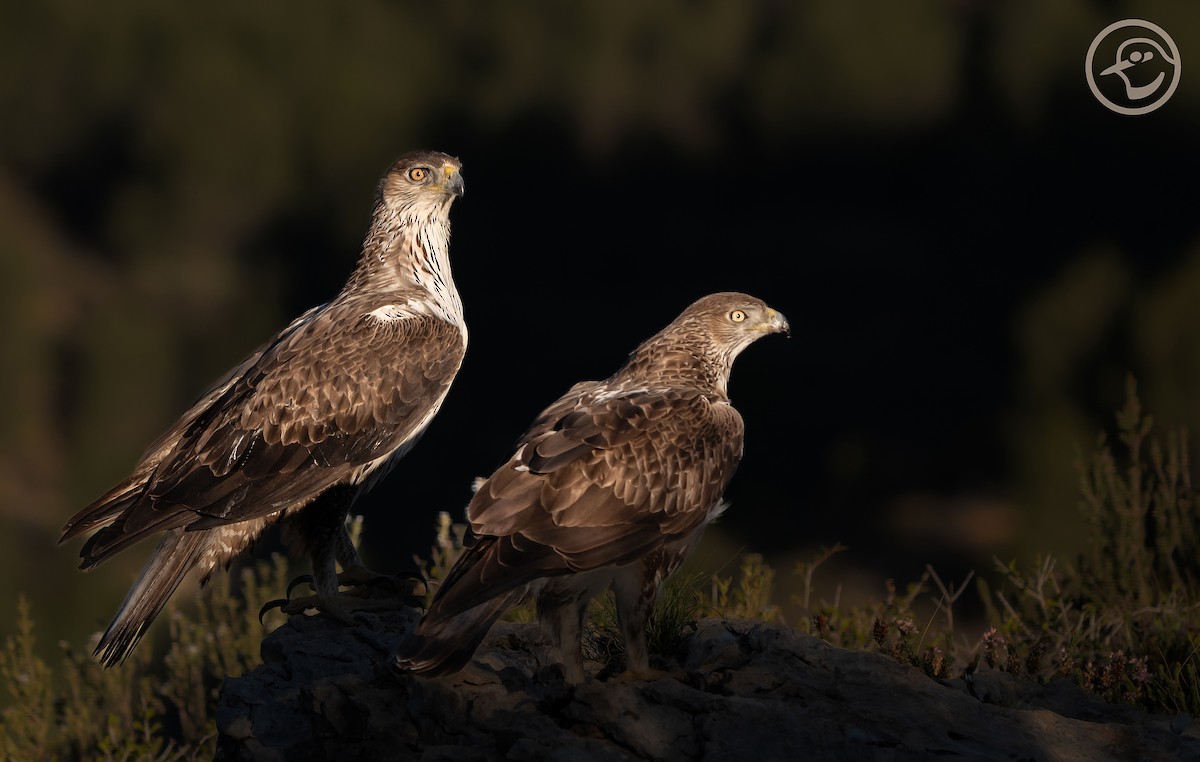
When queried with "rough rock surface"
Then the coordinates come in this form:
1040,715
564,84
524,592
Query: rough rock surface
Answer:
742,691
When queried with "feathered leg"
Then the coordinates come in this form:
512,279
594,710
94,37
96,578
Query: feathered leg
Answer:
321,530
636,589
355,574
316,530
562,616
635,594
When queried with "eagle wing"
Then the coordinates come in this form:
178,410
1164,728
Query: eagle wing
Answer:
331,399
601,478
110,504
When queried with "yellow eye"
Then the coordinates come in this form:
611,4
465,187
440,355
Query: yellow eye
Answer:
737,316
418,174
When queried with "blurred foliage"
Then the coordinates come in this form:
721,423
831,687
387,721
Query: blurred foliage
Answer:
1123,621
1096,321
158,705
746,595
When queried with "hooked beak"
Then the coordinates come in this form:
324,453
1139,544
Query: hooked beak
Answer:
454,181
777,323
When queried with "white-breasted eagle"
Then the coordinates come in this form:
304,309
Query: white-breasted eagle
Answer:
306,423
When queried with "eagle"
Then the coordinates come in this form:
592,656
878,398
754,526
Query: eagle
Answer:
611,486
309,421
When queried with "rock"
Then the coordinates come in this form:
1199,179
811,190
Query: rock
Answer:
742,690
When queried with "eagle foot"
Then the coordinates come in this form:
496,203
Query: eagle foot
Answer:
302,605
358,577
358,599
365,591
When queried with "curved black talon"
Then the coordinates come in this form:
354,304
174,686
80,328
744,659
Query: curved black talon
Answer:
277,603
303,579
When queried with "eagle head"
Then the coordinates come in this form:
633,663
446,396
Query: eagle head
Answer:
422,181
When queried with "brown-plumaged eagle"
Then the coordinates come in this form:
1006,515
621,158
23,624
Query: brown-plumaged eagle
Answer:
611,486
305,424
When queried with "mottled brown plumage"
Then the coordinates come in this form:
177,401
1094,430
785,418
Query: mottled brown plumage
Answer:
307,422
612,485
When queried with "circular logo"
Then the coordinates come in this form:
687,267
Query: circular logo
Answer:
1132,67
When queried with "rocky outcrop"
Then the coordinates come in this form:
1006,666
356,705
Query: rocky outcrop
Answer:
741,690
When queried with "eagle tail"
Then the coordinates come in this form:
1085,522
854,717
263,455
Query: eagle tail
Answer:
106,509
442,645
177,553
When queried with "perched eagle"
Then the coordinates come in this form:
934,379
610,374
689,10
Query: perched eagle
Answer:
306,423
611,486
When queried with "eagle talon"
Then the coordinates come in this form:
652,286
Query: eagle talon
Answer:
303,579
278,603
292,606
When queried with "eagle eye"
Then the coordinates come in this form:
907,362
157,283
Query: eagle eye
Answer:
418,174
737,316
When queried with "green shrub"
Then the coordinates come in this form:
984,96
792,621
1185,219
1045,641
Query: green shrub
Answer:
1123,622
159,704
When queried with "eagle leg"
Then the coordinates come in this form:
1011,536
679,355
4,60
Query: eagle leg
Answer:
563,617
356,574
326,583
635,594
636,589
342,606
322,531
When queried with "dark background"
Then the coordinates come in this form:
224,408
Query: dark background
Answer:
972,251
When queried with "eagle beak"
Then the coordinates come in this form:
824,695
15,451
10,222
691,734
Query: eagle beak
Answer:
777,323
454,181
